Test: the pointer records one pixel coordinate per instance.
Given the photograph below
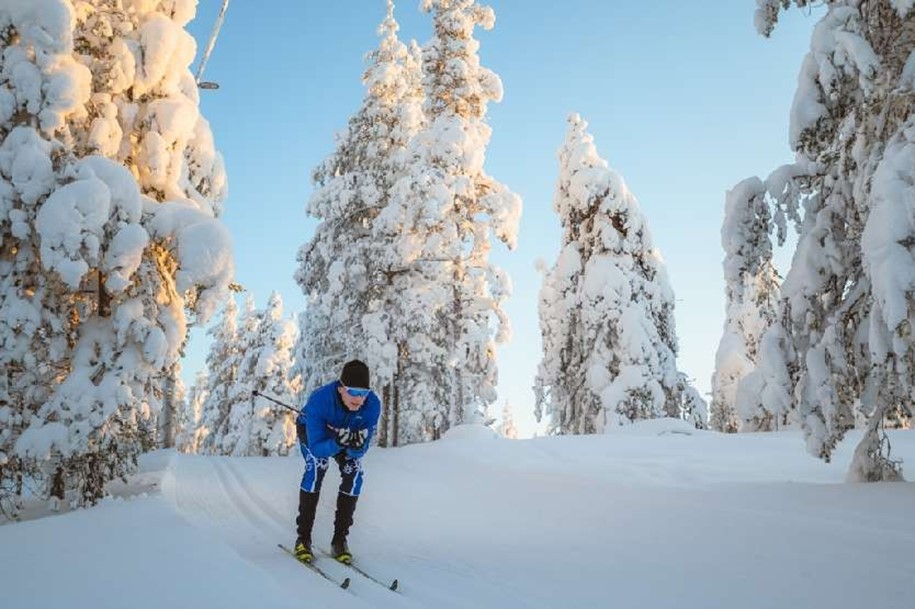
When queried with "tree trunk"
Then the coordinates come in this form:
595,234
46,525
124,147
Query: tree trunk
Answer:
457,391
167,429
384,432
395,424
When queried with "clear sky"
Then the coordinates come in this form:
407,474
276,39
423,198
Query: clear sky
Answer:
684,99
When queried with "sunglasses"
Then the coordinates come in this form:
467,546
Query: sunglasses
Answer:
357,392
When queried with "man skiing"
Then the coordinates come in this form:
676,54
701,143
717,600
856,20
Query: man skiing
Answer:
337,422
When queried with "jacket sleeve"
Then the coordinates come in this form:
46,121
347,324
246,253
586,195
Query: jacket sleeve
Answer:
373,413
320,443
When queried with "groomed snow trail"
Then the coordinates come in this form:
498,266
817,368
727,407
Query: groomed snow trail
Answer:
250,514
639,518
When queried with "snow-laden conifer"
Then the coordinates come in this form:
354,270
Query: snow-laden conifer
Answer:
129,237
261,361
751,289
174,393
343,270
444,212
66,222
265,368
42,86
606,307
190,432
300,368
847,300
508,429
234,434
222,363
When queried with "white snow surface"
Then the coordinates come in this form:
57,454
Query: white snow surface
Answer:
656,514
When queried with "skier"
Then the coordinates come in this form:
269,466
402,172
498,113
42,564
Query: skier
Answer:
337,422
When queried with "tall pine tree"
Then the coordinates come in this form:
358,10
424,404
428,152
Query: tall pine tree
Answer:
448,209
606,307
190,433
234,435
507,428
847,300
266,366
751,292
223,361
343,269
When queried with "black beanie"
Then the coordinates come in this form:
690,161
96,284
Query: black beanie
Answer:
355,374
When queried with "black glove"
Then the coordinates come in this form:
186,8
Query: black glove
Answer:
357,438
301,434
343,436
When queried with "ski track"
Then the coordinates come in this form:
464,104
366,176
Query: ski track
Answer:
268,529
449,555
282,523
212,494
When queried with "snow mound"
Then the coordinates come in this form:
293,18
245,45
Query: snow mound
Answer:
469,432
656,427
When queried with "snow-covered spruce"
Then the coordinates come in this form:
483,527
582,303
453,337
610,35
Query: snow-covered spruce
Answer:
191,430
443,212
168,423
110,188
231,437
751,289
847,300
270,363
344,270
255,427
508,429
222,363
233,434
606,307
414,209
41,86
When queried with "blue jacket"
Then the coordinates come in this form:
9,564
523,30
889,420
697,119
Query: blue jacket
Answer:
324,412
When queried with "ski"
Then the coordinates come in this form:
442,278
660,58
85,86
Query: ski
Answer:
392,586
344,584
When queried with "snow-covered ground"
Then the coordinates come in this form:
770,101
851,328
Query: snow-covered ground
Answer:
655,515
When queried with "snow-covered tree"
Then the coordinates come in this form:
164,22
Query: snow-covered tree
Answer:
688,403
233,435
174,394
847,301
341,270
127,234
300,368
262,350
408,210
42,86
751,288
222,363
190,434
606,307
73,240
121,214
443,213
265,368
508,428
763,401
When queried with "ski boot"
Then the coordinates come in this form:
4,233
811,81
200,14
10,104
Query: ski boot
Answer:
303,551
341,551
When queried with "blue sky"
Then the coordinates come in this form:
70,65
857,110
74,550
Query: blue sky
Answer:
684,99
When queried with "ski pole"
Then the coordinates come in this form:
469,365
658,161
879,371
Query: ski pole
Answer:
257,393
